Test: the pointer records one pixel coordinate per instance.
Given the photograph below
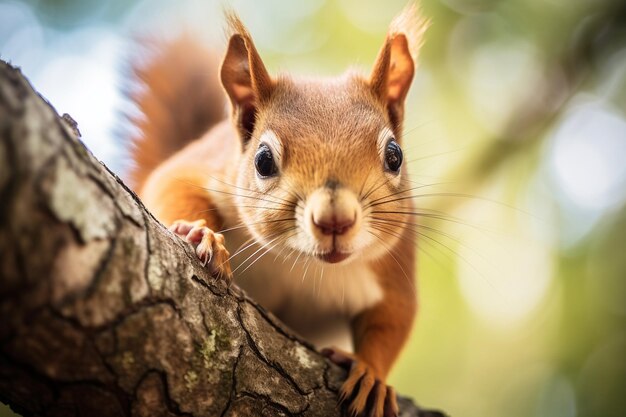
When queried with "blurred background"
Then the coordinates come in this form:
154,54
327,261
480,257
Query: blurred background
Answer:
515,130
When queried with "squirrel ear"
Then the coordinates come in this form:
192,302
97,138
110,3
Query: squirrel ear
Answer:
244,77
395,64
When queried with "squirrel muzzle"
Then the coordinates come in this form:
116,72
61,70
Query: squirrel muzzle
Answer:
333,217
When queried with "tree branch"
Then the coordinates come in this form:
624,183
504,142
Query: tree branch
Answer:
105,313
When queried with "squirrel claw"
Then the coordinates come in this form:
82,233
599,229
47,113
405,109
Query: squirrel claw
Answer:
208,245
362,393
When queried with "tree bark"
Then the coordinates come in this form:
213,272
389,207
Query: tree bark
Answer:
105,313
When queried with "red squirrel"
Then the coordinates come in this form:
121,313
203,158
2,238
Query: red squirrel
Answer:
302,194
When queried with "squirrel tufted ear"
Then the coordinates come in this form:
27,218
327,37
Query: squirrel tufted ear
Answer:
244,77
395,64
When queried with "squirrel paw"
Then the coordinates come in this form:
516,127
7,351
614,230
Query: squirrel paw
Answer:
362,393
209,245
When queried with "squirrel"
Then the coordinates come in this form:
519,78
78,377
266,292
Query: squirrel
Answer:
307,170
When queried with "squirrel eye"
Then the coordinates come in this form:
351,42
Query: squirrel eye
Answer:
264,162
393,156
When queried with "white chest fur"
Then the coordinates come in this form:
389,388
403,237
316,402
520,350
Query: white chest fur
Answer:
317,300
332,289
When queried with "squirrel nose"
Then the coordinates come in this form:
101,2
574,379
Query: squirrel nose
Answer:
334,225
332,212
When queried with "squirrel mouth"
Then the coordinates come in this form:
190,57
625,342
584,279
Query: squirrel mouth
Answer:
333,256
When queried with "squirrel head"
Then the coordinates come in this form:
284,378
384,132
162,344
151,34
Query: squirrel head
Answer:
321,171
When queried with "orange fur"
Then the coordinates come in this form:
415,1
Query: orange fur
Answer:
327,139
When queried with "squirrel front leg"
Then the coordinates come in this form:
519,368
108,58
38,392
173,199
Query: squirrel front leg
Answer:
379,333
175,195
378,342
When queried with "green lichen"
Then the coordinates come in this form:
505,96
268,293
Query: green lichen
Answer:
191,379
128,360
208,347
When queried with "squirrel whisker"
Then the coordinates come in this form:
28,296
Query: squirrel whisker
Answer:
237,194
409,281
247,189
254,242
245,225
264,253
448,248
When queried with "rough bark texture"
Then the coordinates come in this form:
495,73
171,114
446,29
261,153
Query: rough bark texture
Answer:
105,313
